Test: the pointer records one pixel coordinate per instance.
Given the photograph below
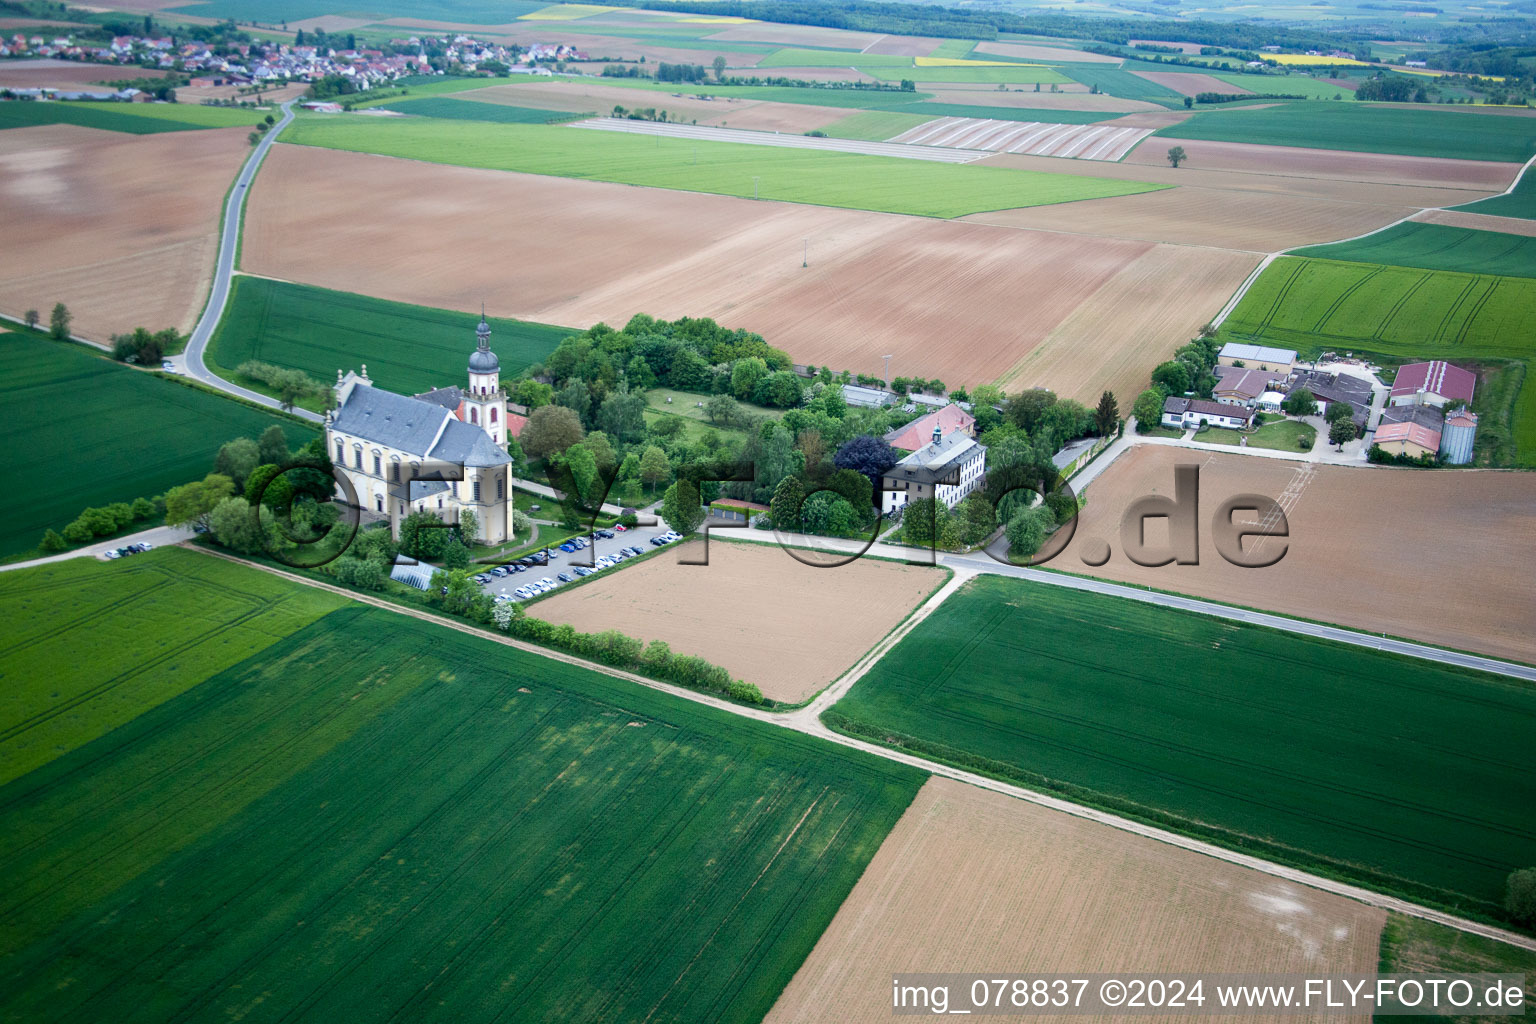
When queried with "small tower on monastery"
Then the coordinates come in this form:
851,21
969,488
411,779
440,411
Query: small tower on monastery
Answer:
484,404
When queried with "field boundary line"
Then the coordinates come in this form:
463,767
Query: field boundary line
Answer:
812,726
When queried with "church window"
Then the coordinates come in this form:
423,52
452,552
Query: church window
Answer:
501,488
477,490
493,414
378,470
396,469
378,502
341,453
357,458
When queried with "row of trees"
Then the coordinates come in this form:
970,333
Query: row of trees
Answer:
145,348
291,386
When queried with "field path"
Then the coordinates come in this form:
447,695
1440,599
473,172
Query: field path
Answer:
218,296
806,721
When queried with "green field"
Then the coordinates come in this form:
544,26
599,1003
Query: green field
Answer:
160,624
1285,85
134,118
1120,83
884,184
1519,203
1399,313
1368,128
105,449
376,818
791,57
1022,74
1437,247
1401,774
874,125
471,110
408,349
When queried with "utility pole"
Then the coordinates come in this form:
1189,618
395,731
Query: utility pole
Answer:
754,186
887,372
806,261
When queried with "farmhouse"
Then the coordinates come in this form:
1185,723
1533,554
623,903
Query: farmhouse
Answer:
1416,430
399,452
920,431
1260,357
1332,388
1239,386
949,467
1192,412
1432,383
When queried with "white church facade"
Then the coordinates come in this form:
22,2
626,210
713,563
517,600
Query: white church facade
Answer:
401,453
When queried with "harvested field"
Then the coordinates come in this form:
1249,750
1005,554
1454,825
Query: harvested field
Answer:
1229,218
970,878
724,111
1103,141
1115,337
268,97
1386,168
1471,534
64,74
1031,51
903,46
94,220
1189,48
1479,221
754,610
1190,83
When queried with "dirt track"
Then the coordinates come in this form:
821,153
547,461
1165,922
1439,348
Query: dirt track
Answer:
754,610
120,228
1439,557
976,881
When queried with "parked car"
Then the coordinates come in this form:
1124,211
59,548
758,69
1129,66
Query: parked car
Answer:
635,549
114,553
582,570
565,577
482,578
500,571
546,583
620,527
657,542
522,593
605,534
567,547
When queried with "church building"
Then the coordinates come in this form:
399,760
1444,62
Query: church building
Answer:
401,452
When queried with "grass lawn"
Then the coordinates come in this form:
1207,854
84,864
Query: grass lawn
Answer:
1159,431
1437,247
375,814
1400,774
885,184
1411,945
1281,435
129,434
1368,128
1402,313
134,118
146,628
684,406
408,349
791,57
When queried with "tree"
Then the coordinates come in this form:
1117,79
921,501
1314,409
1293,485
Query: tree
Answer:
469,525
977,519
602,451
52,542
233,525
31,319
722,410
191,504
623,415
237,458
1300,402
745,373
654,466
58,322
1341,432
785,507
854,487
269,485
866,454
422,536
1176,155
1339,411
363,573
1107,415
1520,896
986,394
1027,531
550,429
680,507
272,446
455,554
719,68
577,397
1025,409
1148,409
1172,377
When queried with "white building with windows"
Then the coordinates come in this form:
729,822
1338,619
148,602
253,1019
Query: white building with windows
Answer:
402,453
949,467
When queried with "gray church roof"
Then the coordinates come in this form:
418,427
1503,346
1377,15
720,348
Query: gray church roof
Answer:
449,397
467,445
411,425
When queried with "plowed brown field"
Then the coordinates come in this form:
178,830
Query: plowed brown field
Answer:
754,610
63,74
971,880
120,228
1324,163
1438,557
958,301
1479,221
1192,83
1167,293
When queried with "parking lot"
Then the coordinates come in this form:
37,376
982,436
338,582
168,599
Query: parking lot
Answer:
567,563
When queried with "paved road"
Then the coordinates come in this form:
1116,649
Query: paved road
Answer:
703,133
191,361
159,536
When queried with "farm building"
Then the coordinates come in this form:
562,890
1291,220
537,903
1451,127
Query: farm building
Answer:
1192,412
1257,357
1238,386
1408,438
1457,437
1333,388
867,398
1075,455
1432,383
920,431
395,450
949,467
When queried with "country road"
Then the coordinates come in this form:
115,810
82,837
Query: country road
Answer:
218,296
